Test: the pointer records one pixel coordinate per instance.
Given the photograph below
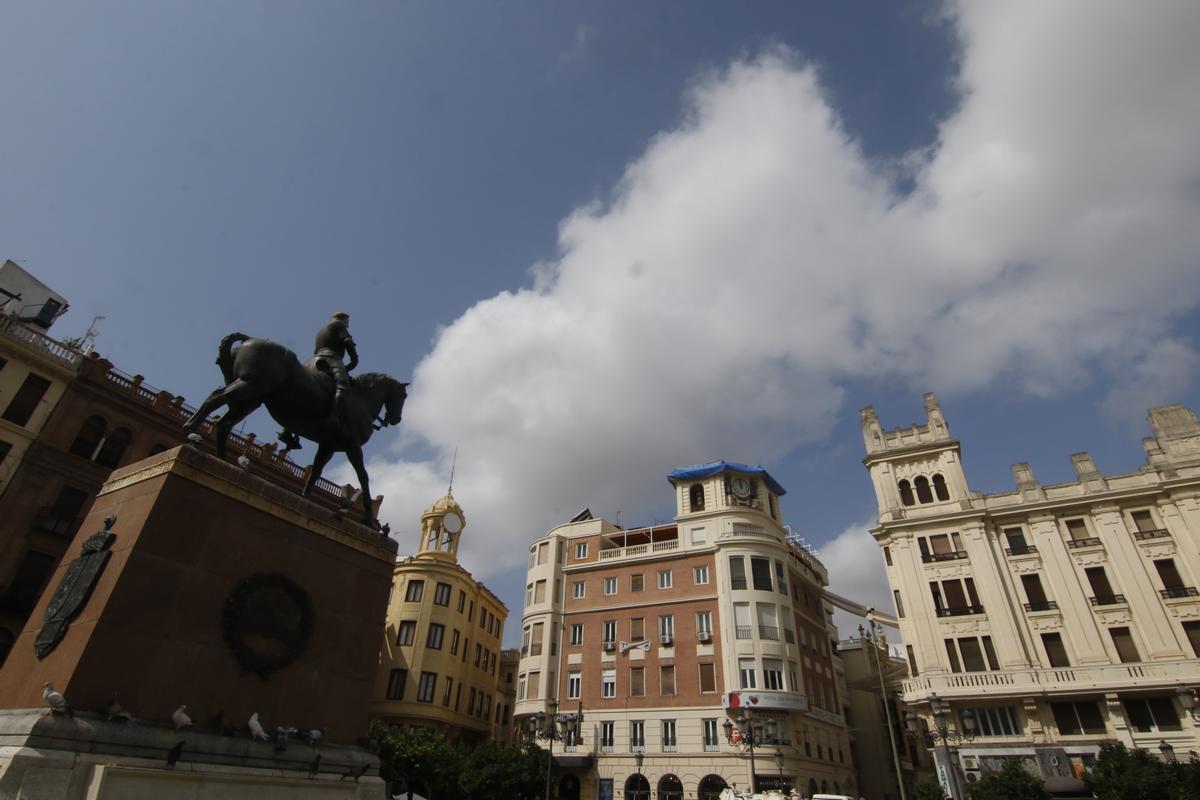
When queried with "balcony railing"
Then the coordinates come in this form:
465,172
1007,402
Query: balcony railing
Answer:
56,523
1017,683
959,611
12,328
1044,605
1107,600
737,583
1179,591
1157,533
744,632
1021,550
953,555
1082,542
768,632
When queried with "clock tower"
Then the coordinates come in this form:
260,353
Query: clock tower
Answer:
441,526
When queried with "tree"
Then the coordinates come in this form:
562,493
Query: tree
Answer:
928,788
1123,774
421,758
495,771
1011,782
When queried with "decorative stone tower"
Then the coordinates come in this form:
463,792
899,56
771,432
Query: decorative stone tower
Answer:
441,527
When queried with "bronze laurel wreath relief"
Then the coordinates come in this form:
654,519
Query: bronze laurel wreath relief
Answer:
267,622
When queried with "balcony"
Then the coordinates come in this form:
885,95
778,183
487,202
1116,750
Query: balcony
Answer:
737,583
1107,600
638,550
1044,605
535,649
1028,682
768,632
1179,591
959,611
953,555
1082,542
744,632
1021,550
14,329
1157,533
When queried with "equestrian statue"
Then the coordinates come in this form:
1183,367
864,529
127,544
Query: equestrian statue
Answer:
318,400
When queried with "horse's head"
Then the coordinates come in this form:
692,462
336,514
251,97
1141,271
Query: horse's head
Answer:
394,401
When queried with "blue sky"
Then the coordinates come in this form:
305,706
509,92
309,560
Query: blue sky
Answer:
605,240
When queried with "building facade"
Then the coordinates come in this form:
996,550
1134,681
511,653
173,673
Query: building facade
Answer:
659,636
1042,621
441,662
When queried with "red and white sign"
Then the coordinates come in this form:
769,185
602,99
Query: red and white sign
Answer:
768,701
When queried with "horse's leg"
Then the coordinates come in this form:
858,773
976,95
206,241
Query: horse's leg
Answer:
324,453
241,397
211,403
355,456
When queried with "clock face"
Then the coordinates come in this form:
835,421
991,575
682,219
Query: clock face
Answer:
452,522
740,487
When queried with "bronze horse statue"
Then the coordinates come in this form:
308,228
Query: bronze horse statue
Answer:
299,398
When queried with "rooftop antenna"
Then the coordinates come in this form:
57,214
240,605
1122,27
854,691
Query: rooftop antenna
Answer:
453,464
89,338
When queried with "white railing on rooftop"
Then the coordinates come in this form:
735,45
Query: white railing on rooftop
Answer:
638,549
1105,677
15,329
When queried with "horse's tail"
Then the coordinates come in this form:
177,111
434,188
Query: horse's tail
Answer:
225,354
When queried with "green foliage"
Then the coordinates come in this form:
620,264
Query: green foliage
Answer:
928,788
419,757
1124,774
495,771
1010,782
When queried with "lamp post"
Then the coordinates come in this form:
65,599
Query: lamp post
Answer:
887,709
1187,699
942,736
744,735
1167,751
553,727
779,763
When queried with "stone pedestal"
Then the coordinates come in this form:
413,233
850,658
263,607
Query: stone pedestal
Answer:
222,591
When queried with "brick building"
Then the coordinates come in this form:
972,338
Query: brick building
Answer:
660,635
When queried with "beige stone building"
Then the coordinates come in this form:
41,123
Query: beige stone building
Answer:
1049,618
661,635
440,662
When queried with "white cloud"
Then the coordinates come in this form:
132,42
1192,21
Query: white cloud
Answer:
752,261
856,572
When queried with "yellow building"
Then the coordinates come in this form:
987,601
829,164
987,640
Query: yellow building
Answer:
1042,621
440,663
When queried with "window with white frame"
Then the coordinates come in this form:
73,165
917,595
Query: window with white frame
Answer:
994,720
1151,714
772,674
606,736
610,585
577,589
704,624
698,536
664,579
637,735
610,630
700,575
414,591
521,684
711,742
427,687
608,683
576,633
581,549
669,743
747,673
666,627
574,685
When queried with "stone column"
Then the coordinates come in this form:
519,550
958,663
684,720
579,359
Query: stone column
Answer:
1069,588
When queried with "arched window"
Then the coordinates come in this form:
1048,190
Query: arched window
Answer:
696,497
637,787
670,788
113,447
939,487
89,437
906,495
812,787
922,486
711,787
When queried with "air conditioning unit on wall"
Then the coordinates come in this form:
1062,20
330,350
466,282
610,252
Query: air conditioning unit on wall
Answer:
704,636
610,646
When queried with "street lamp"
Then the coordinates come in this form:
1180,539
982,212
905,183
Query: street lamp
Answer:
871,639
779,763
1187,698
554,727
942,736
1167,750
745,735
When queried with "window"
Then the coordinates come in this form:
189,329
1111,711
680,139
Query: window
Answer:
539,594
711,742
454,642
577,589
1169,575
668,736
581,549
666,628
1101,589
741,621
1150,714
574,685
993,721
413,593
408,632
1077,530
708,677
1056,653
768,623
700,575
698,536
479,650
449,690
1192,629
535,685
939,488
899,603
636,583
1035,594
396,680
113,447
426,687
89,437
912,660
576,633
610,585
906,493
972,651
887,556
609,629
606,736
522,684
921,484
608,683
637,734
1074,719
637,681
434,639
26,400
471,702
747,673
664,579
543,552
666,679
462,600
737,572
773,674
1016,542
704,624
696,497
760,569
61,517
441,595
1126,649
637,629
780,583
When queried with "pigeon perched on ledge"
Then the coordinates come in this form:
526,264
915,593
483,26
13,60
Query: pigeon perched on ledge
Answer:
115,711
256,728
55,699
181,719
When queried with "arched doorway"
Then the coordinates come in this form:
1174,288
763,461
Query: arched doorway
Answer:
812,787
711,787
670,788
824,787
568,788
637,787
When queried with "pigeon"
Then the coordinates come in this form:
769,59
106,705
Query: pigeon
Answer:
314,766
356,772
174,753
386,530
54,699
181,719
114,710
195,438
281,737
313,736
243,461
256,728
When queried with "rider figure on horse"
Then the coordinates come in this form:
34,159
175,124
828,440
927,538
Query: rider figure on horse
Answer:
332,345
